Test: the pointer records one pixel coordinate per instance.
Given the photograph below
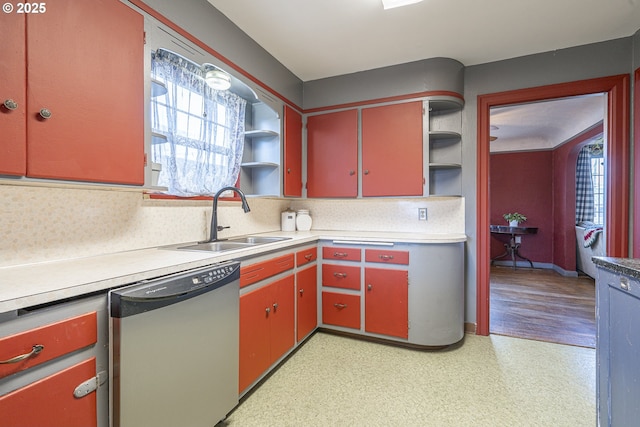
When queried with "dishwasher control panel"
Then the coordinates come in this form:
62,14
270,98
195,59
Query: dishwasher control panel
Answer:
156,293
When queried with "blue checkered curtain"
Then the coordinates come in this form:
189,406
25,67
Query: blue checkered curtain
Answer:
584,187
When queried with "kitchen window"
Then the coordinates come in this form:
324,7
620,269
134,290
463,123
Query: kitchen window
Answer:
198,132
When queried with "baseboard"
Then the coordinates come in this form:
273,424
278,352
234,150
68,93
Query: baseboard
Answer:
541,265
469,328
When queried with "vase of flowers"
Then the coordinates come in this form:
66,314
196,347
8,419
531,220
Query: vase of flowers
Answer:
514,218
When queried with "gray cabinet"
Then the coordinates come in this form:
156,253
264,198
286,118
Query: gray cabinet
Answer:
618,344
434,308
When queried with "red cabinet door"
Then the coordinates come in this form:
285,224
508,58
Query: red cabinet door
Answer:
90,76
254,336
292,152
332,154
267,328
341,309
307,297
341,276
282,317
13,137
344,254
392,150
50,402
386,302
57,339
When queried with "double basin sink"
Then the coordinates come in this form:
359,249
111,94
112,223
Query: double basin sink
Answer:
231,244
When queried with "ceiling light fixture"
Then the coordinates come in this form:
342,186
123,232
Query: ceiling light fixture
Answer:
390,4
217,79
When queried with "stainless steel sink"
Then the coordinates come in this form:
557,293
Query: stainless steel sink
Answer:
216,246
231,244
257,240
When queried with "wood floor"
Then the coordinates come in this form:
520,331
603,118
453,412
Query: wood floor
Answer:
542,305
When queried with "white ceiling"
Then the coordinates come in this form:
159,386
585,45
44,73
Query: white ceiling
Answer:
544,125
323,38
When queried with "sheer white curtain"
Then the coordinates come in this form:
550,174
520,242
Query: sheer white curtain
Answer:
204,129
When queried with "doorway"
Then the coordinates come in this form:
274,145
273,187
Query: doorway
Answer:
617,179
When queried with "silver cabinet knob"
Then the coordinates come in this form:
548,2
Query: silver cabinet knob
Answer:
366,171
288,170
369,287
301,291
275,306
10,104
45,113
352,172
268,310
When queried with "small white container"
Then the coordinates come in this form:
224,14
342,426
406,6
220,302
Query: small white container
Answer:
303,220
288,221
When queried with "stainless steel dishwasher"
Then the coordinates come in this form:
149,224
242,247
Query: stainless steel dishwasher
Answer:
174,349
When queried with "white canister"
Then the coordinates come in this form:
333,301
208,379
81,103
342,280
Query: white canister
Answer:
288,221
303,220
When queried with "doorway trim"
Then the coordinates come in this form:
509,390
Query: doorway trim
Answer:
617,170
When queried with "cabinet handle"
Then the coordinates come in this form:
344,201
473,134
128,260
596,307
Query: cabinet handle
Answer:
34,350
308,257
340,254
45,113
10,104
385,257
288,170
352,172
369,287
268,310
275,306
340,306
366,171
340,275
624,283
301,291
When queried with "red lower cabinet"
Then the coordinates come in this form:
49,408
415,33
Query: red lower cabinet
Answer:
341,309
307,296
50,402
386,302
267,323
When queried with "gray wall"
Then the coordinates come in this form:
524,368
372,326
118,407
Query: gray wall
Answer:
209,25
566,65
435,74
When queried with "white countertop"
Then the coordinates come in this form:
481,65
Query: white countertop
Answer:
39,283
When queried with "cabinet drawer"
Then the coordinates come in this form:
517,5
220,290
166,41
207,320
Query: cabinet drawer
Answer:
341,276
386,256
261,270
50,402
57,339
306,256
341,310
346,254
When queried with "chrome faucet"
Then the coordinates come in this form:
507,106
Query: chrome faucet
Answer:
214,216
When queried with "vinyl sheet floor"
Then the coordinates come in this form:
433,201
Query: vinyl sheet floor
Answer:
481,381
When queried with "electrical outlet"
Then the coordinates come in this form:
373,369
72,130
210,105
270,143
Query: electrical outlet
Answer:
518,239
422,214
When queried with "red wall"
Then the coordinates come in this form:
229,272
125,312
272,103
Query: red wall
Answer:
541,185
522,182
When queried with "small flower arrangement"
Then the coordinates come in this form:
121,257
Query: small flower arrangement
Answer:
514,218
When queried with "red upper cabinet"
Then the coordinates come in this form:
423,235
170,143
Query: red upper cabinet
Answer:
13,149
84,84
332,154
292,152
392,151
